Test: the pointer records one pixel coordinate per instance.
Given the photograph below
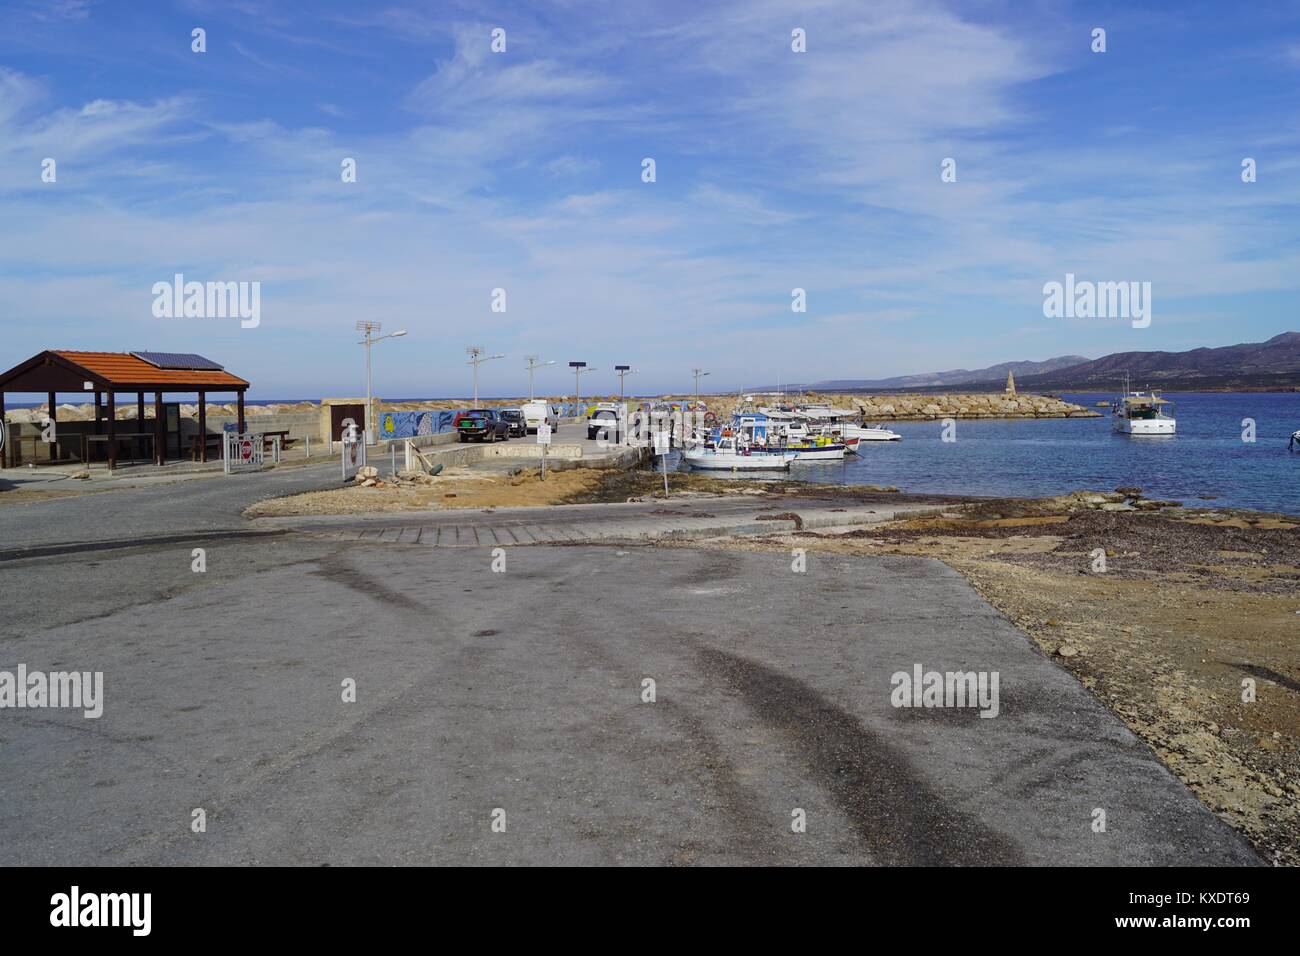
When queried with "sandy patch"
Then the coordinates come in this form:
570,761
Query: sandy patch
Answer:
457,488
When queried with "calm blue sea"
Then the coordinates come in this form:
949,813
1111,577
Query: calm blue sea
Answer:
1052,456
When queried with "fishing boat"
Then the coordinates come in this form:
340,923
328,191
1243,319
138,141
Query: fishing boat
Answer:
726,454
1140,413
759,430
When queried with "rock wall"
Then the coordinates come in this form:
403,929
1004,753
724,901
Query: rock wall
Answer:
975,405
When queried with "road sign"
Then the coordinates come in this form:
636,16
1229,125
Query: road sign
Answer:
661,443
543,434
241,452
354,451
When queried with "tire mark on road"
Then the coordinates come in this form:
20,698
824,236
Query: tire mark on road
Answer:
895,812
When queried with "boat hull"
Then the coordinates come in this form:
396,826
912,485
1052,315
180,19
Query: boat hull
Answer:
862,433
711,461
825,453
1147,426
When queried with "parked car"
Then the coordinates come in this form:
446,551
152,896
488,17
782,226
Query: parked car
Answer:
481,423
537,412
514,417
606,421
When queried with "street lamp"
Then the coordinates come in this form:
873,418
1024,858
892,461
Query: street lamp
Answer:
623,370
475,352
578,369
532,365
370,328
699,373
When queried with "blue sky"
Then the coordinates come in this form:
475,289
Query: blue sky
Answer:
522,170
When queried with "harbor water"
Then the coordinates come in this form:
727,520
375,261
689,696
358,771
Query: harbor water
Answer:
1207,462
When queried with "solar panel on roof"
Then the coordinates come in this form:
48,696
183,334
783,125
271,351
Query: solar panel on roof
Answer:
179,360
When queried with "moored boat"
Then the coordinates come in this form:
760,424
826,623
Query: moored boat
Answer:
1140,414
727,455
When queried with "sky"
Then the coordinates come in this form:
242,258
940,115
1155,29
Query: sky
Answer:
522,170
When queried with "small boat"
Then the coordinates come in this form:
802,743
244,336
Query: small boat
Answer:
1138,413
726,455
1295,440
830,451
869,433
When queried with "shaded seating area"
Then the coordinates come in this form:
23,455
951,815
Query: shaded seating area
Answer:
107,375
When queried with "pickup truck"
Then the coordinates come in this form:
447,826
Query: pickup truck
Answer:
514,418
481,423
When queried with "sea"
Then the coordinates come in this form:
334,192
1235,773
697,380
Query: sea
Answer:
1209,461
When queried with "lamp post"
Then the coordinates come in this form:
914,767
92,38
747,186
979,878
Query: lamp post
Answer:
475,353
578,369
533,365
699,373
370,328
623,370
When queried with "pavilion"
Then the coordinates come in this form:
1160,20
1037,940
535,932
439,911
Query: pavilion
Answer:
108,373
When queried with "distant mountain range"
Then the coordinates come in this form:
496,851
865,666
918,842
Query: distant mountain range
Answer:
1250,366
957,376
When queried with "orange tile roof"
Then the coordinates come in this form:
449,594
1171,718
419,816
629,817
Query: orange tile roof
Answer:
121,368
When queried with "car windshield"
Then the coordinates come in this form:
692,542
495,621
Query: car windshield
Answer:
479,412
513,416
604,415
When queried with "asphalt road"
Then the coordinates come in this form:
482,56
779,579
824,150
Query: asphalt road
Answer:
136,506
521,691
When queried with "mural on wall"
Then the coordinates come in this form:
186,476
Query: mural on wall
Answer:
397,425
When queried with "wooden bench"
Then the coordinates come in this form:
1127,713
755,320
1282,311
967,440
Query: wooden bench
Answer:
285,440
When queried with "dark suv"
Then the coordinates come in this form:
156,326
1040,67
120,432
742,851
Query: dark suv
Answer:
481,423
515,419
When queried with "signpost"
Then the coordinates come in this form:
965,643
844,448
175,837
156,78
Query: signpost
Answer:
544,439
354,449
661,449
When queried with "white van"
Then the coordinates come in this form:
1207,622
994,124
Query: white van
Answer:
537,412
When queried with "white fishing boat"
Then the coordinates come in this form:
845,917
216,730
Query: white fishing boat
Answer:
758,430
1140,414
727,455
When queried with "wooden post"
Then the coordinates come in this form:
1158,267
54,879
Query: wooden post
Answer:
99,410
159,436
112,430
4,438
241,411
139,422
54,416
203,425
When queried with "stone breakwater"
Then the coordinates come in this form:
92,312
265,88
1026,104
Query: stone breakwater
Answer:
902,408
978,405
